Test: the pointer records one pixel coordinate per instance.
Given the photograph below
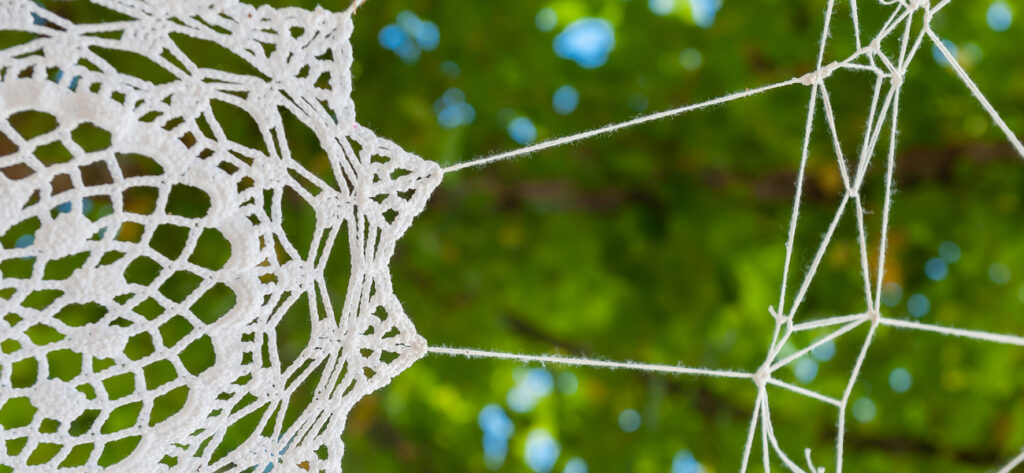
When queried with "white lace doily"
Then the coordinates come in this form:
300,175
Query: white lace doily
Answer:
136,187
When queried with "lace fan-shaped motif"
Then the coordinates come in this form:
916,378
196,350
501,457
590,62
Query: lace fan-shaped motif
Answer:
149,256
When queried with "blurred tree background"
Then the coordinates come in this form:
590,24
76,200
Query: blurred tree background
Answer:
664,243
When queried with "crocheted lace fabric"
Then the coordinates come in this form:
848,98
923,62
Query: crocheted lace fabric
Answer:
121,190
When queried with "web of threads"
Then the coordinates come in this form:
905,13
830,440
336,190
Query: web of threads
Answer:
375,190
908,27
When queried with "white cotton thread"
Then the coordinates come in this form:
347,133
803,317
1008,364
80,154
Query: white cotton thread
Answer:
764,421
811,78
956,332
851,190
614,127
993,114
940,6
795,213
810,463
828,322
591,362
804,392
826,31
818,76
1014,463
768,431
844,402
856,38
751,429
849,326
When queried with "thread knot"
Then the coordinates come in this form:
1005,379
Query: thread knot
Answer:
761,376
876,46
819,75
896,78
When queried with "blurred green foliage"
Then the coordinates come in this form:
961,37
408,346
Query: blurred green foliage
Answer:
664,243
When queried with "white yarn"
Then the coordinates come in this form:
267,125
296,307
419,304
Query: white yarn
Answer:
974,90
579,361
614,127
380,188
1017,461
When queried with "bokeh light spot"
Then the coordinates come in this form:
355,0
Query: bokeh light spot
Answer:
541,450
805,370
586,41
661,7
567,383
864,410
451,69
522,130
452,110
497,428
704,11
565,99
949,251
684,462
936,269
918,305
999,273
999,16
629,420
892,294
546,19
575,465
900,380
690,59
824,352
638,102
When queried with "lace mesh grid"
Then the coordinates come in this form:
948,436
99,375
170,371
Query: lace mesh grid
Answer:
134,192
162,260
